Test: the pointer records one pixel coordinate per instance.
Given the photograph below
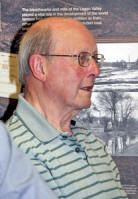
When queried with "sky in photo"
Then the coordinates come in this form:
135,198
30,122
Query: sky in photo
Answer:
119,51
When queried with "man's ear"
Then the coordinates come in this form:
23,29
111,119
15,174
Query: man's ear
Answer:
37,67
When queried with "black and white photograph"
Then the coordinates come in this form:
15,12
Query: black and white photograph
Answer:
120,68
113,117
113,113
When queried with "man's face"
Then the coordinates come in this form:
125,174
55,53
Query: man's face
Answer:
68,84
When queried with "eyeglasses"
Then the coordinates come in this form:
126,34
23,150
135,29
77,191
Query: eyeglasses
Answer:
84,58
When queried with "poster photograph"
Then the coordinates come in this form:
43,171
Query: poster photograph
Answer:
113,115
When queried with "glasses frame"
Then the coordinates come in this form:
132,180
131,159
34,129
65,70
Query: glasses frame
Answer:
89,56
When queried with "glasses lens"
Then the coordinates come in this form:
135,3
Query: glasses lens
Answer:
99,59
84,59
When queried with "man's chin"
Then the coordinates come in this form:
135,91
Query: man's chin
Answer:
85,105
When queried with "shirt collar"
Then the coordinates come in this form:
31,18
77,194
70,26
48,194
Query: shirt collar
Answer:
35,122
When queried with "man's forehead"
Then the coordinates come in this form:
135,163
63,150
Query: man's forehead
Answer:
76,39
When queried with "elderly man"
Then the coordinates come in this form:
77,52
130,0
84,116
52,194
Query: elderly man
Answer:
58,64
18,177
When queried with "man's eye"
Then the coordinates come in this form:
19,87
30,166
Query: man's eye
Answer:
82,58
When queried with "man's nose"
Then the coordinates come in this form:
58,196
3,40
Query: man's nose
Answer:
94,68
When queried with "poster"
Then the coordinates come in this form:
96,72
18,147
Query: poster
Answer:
114,25
109,21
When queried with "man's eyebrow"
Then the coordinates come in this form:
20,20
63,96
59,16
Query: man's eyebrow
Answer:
95,51
92,51
89,51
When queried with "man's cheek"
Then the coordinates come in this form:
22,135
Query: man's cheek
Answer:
80,74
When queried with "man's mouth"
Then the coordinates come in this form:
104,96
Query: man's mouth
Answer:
87,88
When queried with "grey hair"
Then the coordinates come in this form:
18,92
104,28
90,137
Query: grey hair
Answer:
38,40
